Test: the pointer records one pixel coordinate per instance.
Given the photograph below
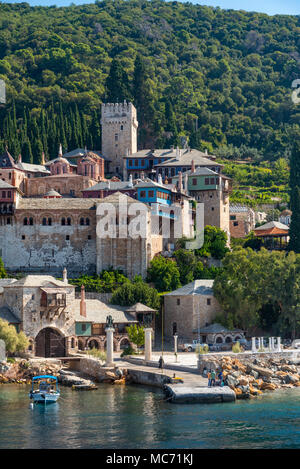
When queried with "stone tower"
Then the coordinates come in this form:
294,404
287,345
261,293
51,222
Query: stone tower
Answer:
119,133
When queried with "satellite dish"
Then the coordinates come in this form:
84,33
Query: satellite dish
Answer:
2,92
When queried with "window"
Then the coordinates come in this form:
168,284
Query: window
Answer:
130,163
208,301
67,237
25,221
8,221
212,180
136,162
69,221
212,209
151,194
206,181
194,182
83,327
63,221
89,237
44,222
178,301
143,194
30,221
232,217
87,221
235,223
23,236
116,137
122,127
49,221
3,195
9,194
81,221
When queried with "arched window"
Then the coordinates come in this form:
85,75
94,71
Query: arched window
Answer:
69,221
63,221
219,340
44,222
30,221
228,340
87,221
81,221
25,221
49,221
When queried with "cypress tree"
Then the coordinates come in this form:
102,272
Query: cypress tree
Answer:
294,244
117,83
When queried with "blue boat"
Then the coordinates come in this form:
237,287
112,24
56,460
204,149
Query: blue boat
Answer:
44,389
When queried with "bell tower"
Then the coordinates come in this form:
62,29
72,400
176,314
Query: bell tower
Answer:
119,133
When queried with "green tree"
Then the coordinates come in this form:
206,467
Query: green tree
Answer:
117,83
139,292
294,244
3,273
14,341
136,334
164,273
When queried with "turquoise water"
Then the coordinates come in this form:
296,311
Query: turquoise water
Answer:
138,417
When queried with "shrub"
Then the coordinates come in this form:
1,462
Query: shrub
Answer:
128,351
202,349
237,348
97,354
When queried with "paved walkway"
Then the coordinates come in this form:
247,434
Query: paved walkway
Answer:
190,379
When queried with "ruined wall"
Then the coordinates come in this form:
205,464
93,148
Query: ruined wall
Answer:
43,249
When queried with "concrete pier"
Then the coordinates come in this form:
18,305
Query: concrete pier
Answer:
181,394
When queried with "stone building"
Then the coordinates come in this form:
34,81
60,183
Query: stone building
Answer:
119,133
188,309
47,234
210,188
57,323
68,178
242,220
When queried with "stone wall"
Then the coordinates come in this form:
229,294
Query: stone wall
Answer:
187,313
104,297
41,249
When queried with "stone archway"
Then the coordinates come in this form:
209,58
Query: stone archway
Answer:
50,342
124,343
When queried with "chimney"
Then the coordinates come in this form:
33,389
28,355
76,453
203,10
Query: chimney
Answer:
82,302
142,175
206,151
65,276
130,182
186,182
177,153
43,158
180,181
159,180
193,166
20,158
60,153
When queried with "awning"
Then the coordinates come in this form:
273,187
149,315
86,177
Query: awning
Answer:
51,291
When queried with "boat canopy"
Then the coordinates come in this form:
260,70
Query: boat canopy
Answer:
44,376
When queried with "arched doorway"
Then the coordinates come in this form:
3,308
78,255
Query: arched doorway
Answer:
50,343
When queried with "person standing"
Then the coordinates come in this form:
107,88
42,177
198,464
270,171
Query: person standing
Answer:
213,378
208,377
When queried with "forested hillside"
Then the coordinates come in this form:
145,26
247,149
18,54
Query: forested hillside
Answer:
220,77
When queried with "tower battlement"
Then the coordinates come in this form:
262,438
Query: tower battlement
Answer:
119,132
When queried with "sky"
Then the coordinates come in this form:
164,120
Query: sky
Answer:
271,7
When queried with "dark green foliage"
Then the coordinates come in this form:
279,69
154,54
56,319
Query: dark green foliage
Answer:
136,292
107,282
214,243
260,289
294,244
3,273
221,77
164,273
117,84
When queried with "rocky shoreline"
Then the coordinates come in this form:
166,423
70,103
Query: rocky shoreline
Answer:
253,376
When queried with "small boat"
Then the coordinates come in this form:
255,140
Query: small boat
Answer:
44,389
